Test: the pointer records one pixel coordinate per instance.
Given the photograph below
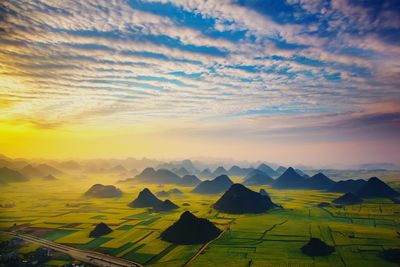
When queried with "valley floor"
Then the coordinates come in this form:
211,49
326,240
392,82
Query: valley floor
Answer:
57,211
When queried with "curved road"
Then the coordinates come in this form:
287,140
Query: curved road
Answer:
91,257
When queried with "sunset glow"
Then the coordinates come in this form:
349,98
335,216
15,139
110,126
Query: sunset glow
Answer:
248,80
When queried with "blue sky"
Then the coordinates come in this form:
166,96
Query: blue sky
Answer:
205,67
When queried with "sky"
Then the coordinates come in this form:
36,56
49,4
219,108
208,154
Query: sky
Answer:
295,82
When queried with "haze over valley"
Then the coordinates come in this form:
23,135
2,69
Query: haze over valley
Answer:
169,133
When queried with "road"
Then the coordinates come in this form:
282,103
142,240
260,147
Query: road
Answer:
204,246
90,257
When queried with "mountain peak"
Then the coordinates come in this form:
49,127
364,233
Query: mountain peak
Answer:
222,177
320,181
290,179
187,215
145,199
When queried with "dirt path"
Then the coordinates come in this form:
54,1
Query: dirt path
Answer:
204,246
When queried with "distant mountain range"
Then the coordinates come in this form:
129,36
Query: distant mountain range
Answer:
267,170
257,177
189,180
48,169
170,173
189,174
31,171
162,176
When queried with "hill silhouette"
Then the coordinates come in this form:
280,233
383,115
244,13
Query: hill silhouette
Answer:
347,186
7,163
189,166
257,177
190,230
320,181
189,180
49,177
145,199
161,176
103,191
206,173
48,169
31,172
180,171
376,188
220,171
238,171
280,170
317,247
166,205
239,199
217,185
348,198
9,175
290,179
100,230
267,169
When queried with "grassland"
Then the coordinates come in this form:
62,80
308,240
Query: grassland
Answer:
57,211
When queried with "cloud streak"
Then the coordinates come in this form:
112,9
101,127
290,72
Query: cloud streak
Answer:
121,62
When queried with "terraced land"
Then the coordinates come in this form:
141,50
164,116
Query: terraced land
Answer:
57,211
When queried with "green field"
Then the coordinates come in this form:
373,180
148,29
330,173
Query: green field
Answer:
358,232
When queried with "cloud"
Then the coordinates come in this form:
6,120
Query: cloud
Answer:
71,62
